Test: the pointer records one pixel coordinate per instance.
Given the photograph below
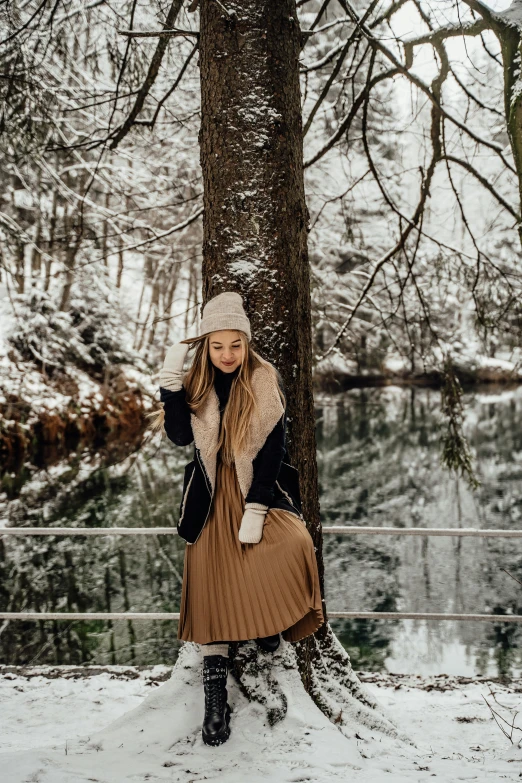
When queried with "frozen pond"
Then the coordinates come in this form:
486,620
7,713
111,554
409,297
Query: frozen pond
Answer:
378,454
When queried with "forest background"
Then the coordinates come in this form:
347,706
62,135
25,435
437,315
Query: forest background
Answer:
411,183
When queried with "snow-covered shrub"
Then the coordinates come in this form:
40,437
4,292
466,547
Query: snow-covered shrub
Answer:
89,335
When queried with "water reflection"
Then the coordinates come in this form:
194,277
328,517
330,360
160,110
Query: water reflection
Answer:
378,455
95,573
379,464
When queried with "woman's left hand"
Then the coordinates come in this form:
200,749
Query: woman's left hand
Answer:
251,530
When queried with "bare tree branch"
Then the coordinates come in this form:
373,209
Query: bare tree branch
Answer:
441,34
346,122
167,33
26,24
484,182
320,13
497,148
336,69
152,74
152,122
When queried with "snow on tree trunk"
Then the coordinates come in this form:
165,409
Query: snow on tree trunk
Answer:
255,228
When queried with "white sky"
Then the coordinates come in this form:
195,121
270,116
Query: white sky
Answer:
408,22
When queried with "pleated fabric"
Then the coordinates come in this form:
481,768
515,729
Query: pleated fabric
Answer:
233,591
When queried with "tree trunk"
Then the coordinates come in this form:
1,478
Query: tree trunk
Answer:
255,227
509,34
52,237
70,262
510,38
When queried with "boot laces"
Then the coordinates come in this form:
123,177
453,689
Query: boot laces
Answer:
215,679
215,698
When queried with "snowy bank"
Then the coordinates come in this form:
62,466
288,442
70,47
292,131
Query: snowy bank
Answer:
126,725
337,372
68,379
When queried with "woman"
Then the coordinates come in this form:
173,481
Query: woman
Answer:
250,570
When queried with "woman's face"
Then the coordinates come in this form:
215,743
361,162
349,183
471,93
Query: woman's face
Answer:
225,349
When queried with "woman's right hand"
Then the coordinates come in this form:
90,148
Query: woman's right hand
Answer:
172,371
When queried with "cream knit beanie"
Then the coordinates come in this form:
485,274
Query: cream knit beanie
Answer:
225,311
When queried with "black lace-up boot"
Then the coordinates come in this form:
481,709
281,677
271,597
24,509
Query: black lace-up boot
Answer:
269,643
215,728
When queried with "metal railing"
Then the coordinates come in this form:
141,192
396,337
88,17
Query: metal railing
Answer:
343,530
331,529
37,616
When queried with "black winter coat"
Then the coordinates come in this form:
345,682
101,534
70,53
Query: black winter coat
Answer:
275,482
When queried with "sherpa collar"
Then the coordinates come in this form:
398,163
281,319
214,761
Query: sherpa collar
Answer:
205,427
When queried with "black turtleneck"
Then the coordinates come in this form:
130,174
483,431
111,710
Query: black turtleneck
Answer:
223,383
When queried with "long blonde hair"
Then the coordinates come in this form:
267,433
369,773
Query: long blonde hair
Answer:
234,435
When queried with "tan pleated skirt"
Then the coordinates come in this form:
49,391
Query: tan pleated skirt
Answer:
233,591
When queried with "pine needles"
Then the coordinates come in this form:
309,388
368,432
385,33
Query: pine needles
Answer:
456,453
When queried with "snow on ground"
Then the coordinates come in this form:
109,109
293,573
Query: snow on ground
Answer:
124,725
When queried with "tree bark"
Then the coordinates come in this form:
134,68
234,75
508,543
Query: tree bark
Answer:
509,34
511,44
255,225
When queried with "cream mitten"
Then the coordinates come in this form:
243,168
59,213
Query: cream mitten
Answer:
251,530
172,371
